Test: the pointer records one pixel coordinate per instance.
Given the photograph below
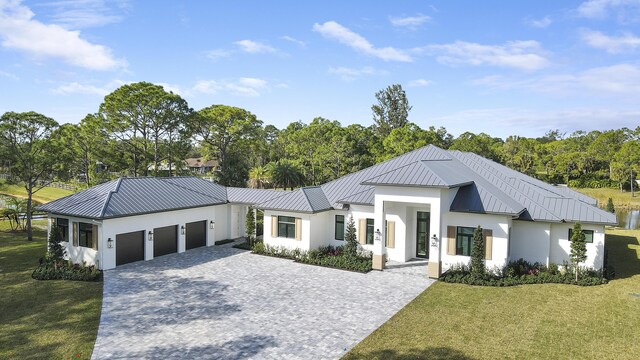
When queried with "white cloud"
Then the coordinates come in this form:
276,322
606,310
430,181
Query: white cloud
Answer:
20,31
419,83
294,40
524,55
176,89
254,47
410,22
615,80
611,44
624,10
86,89
335,31
540,23
350,74
75,14
9,75
218,54
245,86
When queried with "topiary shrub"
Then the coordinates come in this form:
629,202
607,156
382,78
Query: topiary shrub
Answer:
477,253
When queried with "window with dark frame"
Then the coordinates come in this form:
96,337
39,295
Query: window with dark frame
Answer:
339,229
369,231
287,227
85,235
63,226
464,240
588,235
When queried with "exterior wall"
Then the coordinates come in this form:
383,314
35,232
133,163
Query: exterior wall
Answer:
561,246
305,239
237,220
146,223
78,254
499,224
530,241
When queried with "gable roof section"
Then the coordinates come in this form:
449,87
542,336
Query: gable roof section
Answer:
426,173
308,200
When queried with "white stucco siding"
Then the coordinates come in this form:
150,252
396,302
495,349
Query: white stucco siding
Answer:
323,228
499,224
146,223
78,254
305,236
561,246
530,241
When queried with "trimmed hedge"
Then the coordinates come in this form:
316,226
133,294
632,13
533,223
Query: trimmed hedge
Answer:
329,256
66,271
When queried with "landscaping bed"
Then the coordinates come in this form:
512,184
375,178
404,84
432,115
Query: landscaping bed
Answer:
328,256
65,270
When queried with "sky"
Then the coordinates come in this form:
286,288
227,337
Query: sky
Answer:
499,67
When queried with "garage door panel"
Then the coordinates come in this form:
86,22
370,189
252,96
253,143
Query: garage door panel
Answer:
165,240
129,247
196,234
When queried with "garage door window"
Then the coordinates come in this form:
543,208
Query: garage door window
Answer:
85,235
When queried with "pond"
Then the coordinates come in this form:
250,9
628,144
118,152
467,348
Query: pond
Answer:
628,219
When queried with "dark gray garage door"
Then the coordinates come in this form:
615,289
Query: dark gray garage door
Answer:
129,247
196,234
165,240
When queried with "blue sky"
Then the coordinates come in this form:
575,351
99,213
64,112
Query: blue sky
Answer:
499,67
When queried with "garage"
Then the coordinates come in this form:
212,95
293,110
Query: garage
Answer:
129,247
196,234
165,240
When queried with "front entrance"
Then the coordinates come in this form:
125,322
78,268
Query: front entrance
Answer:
422,235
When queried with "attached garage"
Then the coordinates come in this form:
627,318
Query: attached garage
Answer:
196,234
165,240
129,247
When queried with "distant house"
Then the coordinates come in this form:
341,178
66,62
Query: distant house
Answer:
423,204
201,166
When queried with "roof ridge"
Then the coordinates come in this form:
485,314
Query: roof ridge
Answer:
390,171
307,198
108,198
192,190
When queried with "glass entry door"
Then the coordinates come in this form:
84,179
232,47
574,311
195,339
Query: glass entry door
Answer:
422,235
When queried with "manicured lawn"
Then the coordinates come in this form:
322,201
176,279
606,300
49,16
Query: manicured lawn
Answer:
42,196
620,199
42,319
452,321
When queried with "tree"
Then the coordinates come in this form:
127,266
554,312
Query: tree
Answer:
56,250
477,252
481,144
259,177
351,242
250,226
286,174
610,208
27,137
626,162
578,247
392,110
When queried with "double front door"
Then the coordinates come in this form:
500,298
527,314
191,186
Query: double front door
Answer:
422,235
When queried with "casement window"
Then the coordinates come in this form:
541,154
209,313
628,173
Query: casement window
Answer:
588,235
63,226
339,227
287,227
85,235
370,230
464,240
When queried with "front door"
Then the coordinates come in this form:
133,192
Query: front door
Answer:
422,235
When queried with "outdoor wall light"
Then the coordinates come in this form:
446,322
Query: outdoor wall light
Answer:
150,236
434,241
212,225
110,243
182,230
378,235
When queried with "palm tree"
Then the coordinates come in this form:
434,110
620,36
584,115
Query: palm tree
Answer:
259,177
287,174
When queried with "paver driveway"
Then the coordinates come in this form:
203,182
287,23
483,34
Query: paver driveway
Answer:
224,303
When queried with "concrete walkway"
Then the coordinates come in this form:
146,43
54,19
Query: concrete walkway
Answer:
224,303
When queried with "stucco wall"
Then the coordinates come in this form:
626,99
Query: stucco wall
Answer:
78,254
530,241
305,239
561,246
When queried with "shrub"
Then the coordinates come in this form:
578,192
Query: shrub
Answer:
56,250
610,207
329,256
477,252
351,242
52,270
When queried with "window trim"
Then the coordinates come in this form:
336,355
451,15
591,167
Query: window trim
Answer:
469,238
287,234
335,230
369,231
586,235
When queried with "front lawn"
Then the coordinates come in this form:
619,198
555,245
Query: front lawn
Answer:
549,321
54,319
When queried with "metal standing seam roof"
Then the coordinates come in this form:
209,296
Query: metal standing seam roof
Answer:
308,200
252,196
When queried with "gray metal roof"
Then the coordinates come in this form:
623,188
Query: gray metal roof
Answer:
309,199
252,196
430,173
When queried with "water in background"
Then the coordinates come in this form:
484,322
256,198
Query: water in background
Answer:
628,219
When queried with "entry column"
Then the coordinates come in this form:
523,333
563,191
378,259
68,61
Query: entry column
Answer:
379,234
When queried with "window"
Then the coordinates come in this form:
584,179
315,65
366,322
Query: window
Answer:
85,235
369,231
588,235
464,240
63,225
287,227
339,227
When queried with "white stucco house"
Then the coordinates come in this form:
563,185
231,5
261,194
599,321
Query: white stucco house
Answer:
423,204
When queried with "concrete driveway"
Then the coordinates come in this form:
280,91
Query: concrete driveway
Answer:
224,303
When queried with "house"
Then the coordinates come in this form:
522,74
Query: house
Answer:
423,204
201,166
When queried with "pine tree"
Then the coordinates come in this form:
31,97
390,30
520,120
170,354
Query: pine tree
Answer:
477,252
610,208
250,226
351,246
56,250
578,247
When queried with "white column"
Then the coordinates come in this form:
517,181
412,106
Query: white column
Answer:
379,250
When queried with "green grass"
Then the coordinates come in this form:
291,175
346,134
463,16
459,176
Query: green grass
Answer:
620,199
42,196
43,319
453,321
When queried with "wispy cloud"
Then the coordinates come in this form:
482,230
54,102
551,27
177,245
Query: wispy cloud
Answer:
611,44
419,83
8,75
254,47
245,86
76,14
294,40
20,31
410,22
333,30
524,55
76,88
539,23
350,74
623,10
218,54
